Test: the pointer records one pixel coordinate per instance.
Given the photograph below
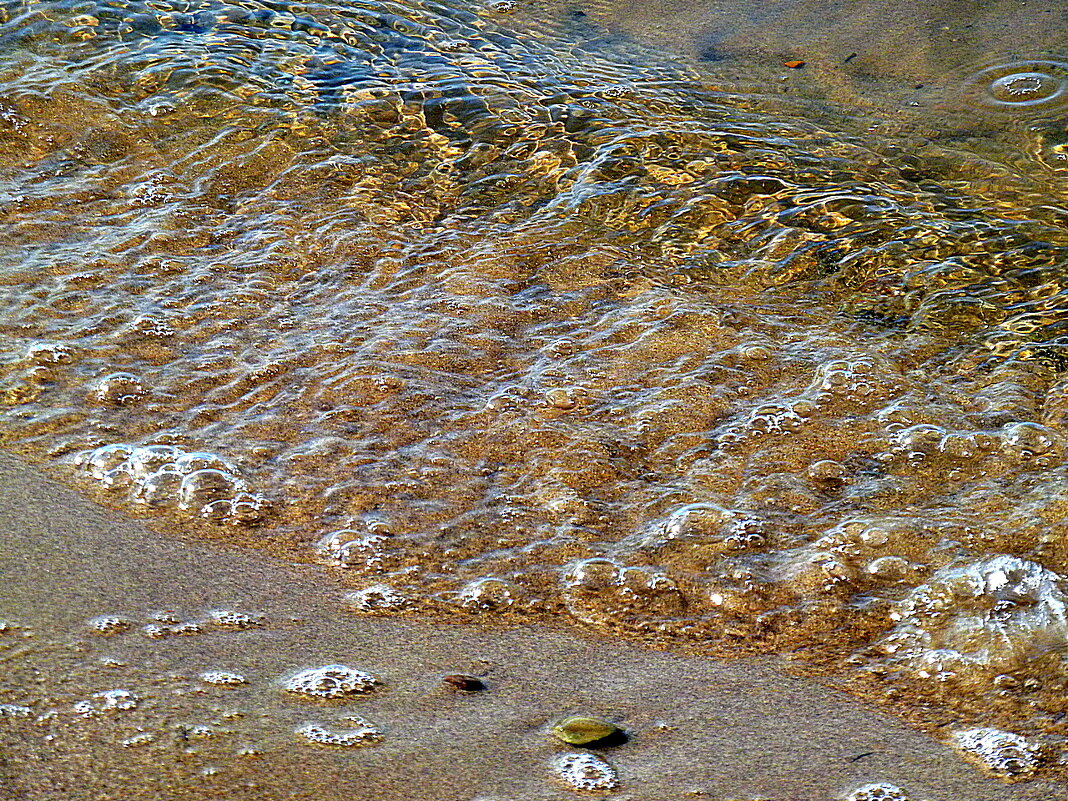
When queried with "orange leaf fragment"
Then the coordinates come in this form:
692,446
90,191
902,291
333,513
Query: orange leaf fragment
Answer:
794,65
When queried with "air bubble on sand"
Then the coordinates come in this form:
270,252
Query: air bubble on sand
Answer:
352,548
330,681
157,631
585,772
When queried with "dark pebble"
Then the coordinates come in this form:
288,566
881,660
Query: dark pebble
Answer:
461,681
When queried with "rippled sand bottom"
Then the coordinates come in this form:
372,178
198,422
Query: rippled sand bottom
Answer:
700,727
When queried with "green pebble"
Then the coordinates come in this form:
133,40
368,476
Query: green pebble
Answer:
582,730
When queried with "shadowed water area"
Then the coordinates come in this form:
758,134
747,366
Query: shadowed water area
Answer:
507,311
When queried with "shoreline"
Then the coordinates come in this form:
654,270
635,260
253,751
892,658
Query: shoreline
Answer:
700,727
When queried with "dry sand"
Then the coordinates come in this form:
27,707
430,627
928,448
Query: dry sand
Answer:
701,728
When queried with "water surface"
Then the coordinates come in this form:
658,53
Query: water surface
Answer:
536,310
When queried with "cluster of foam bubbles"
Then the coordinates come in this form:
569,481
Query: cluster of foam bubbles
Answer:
982,451
15,711
106,702
223,678
377,598
1000,753
360,733
981,619
329,681
356,548
600,591
585,772
142,738
167,623
109,624
164,476
877,791
235,620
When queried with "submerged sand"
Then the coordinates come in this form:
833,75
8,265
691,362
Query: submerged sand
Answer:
701,727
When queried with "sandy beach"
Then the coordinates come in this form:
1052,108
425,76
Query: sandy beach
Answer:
699,728
733,323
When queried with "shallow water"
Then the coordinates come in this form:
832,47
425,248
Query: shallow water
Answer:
534,310
697,727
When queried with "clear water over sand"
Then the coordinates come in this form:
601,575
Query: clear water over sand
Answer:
548,311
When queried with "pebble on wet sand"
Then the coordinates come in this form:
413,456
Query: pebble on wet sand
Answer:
585,730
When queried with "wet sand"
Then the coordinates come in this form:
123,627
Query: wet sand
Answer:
701,728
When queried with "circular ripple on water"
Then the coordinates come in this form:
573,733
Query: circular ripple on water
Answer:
1020,86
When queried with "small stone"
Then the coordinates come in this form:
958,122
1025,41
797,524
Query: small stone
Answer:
583,730
461,681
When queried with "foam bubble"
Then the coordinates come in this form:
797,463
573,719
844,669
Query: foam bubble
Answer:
202,487
1001,753
1020,86
710,528
230,619
191,462
585,772
878,791
601,592
146,460
489,593
101,461
106,702
159,488
361,734
139,739
198,483
222,678
987,617
352,548
109,624
118,389
330,681
14,711
377,598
